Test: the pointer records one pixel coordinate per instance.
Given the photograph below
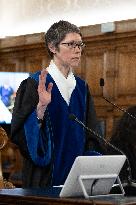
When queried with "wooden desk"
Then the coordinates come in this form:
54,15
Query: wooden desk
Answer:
50,197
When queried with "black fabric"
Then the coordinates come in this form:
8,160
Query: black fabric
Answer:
35,176
26,101
129,151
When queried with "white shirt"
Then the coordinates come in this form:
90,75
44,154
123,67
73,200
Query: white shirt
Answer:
65,85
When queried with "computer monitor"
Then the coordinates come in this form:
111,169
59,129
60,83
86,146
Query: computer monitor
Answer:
93,176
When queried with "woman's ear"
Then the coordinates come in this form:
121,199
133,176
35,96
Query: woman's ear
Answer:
52,48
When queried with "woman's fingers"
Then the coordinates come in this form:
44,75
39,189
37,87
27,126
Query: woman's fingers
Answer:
42,81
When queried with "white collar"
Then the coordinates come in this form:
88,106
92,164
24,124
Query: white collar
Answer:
65,85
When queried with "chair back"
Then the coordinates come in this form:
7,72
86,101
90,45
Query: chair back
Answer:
3,142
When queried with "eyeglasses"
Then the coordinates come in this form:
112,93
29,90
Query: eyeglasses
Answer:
73,45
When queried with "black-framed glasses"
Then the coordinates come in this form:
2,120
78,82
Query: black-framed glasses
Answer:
73,44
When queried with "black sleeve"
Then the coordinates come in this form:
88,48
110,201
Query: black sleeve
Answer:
25,102
92,141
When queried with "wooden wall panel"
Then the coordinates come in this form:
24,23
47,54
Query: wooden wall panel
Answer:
111,56
93,71
126,77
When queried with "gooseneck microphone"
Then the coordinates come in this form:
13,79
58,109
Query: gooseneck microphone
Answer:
130,181
112,103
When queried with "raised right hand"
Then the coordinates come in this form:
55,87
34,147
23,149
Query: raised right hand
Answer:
44,94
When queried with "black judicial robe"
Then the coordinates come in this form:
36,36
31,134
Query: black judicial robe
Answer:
26,101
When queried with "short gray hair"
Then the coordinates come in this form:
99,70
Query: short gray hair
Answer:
57,32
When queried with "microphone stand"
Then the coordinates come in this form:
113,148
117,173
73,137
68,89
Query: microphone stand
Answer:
112,103
130,186
123,110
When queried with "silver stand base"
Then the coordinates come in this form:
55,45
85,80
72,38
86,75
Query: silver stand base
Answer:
96,179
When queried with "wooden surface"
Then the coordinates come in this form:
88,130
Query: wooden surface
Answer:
50,197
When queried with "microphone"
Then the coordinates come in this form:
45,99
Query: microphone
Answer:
74,118
130,183
119,108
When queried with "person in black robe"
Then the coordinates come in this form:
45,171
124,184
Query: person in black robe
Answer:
124,138
48,139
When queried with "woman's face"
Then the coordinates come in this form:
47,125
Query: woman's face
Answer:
69,52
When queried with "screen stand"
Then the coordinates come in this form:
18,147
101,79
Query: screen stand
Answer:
95,179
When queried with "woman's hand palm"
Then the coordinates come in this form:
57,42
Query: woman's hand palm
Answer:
44,94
